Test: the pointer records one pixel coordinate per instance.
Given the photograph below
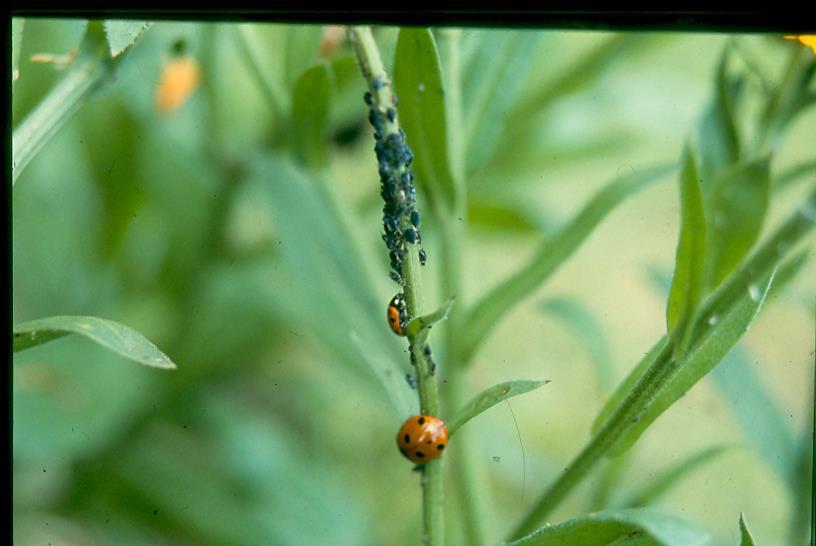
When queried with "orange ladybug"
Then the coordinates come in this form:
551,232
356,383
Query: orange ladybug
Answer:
396,314
422,438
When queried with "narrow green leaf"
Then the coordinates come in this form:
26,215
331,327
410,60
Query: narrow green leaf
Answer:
497,73
626,386
745,535
503,216
424,323
123,34
657,486
719,142
641,527
582,73
584,326
689,269
17,25
551,254
789,98
422,113
310,106
795,174
705,352
111,335
489,398
738,201
84,76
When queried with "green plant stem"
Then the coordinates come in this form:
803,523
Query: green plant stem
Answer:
758,266
86,73
432,493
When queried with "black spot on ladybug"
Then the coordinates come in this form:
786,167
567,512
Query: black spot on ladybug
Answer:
407,439
440,447
421,420
429,442
420,454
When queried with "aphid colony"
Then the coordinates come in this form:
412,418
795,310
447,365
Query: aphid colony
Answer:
422,438
400,220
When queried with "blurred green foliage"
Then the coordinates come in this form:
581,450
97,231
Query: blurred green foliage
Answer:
241,235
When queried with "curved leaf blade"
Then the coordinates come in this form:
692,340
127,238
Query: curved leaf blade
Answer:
422,113
705,353
107,333
551,254
739,200
689,270
495,77
310,108
489,398
421,325
628,526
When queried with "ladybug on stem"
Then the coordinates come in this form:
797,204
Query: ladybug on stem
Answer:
397,314
422,438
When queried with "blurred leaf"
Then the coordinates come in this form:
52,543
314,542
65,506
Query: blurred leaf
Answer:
86,73
745,534
550,255
489,398
269,84
581,73
795,174
689,269
111,335
324,277
420,325
302,44
123,34
755,411
656,487
705,352
633,526
346,108
75,398
17,25
310,106
719,140
422,113
492,83
588,330
738,203
491,214
789,98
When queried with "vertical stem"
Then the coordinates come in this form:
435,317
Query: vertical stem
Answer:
382,102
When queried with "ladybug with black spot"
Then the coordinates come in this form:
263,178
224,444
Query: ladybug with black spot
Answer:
422,438
397,314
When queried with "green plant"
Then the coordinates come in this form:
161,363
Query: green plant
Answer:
243,234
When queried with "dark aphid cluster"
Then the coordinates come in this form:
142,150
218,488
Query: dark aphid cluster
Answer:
400,220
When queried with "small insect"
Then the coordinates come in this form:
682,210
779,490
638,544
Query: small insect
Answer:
396,314
422,438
